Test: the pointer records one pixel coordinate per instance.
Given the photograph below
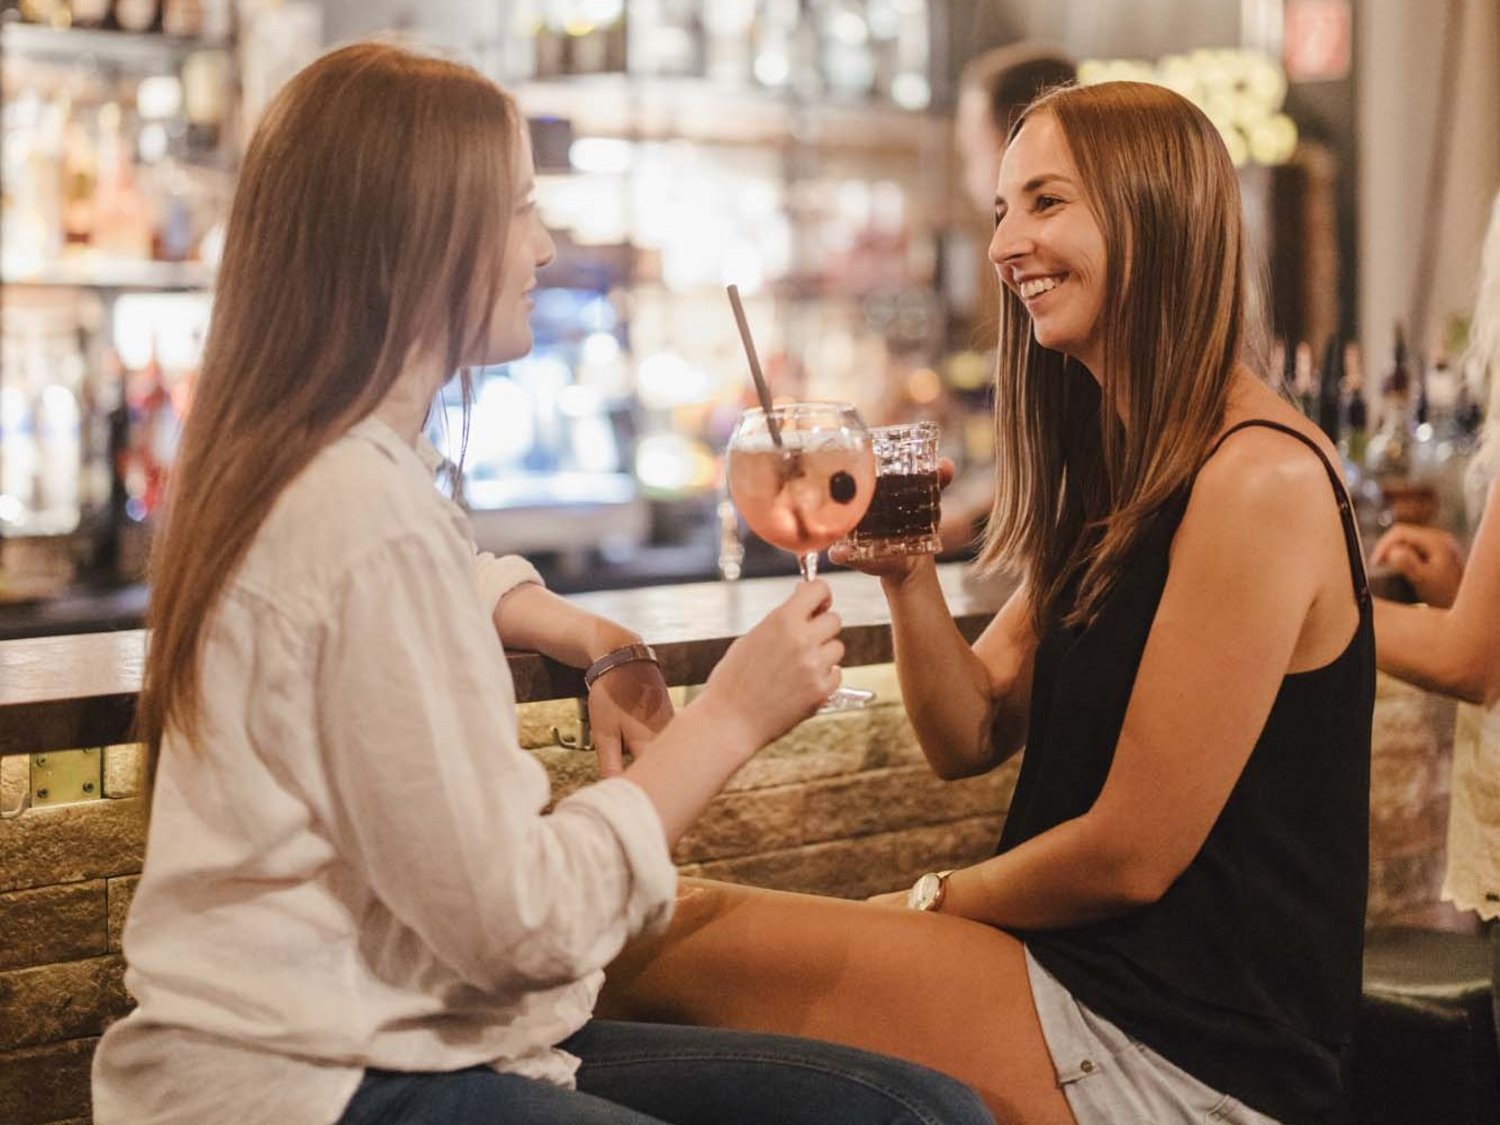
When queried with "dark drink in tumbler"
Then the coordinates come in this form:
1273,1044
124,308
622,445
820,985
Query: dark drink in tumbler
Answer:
902,518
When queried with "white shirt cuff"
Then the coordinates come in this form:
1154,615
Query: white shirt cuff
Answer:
499,576
624,806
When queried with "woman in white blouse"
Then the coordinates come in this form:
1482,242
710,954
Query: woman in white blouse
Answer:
353,908
1451,644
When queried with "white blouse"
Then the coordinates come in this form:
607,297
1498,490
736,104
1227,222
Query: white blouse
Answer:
349,867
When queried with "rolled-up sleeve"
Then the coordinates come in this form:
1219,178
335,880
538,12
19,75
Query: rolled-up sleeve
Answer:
438,807
499,575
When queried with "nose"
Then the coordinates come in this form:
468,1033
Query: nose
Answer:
546,249
1011,240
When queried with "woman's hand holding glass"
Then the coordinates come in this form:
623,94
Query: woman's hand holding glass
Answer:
780,672
891,568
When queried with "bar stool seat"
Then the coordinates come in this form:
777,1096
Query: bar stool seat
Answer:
1424,1045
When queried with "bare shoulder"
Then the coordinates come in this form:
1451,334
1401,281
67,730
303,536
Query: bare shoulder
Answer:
1267,481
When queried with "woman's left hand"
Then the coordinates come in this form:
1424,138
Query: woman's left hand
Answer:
628,707
890,898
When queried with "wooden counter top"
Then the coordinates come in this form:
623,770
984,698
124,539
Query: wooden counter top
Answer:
58,693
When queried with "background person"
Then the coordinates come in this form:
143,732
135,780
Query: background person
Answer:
1451,644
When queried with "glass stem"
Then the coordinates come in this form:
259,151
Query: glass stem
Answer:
809,565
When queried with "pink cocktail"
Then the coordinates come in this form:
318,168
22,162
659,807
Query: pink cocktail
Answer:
802,476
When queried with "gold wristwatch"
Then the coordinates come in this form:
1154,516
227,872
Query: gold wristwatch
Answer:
928,892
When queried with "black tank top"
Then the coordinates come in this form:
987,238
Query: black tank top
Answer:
1246,973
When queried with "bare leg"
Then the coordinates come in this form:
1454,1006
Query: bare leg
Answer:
944,992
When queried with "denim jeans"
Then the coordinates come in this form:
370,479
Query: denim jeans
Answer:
655,1074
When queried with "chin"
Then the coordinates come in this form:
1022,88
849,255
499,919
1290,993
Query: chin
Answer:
503,351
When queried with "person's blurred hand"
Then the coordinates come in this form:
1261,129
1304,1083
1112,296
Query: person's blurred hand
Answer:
1431,560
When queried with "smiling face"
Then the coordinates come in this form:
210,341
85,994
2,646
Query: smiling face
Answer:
1048,248
528,247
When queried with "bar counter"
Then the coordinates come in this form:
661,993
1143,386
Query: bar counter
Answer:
58,693
844,804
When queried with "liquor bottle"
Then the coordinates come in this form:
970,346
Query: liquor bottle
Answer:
205,98
1304,381
183,18
48,13
1330,390
80,180
519,47
595,42
911,87
847,62
728,42
58,436
1356,437
90,13
138,15
1388,461
665,38
775,42
122,214
18,450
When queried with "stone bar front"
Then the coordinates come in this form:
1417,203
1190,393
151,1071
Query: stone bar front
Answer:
843,805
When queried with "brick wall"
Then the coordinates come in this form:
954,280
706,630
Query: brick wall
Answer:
843,805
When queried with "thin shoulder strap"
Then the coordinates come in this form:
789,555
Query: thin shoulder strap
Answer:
1340,492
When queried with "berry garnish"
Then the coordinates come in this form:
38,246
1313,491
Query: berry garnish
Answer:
841,487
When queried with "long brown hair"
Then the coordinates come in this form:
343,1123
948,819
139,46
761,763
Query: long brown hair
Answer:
1076,488
369,223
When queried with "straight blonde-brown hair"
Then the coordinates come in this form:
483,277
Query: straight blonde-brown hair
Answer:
368,225
1077,487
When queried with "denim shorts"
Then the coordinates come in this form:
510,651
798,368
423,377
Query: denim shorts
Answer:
1111,1079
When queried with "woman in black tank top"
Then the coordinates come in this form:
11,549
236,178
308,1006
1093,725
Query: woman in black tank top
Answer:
1188,662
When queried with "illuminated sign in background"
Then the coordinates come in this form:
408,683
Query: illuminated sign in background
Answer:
1241,91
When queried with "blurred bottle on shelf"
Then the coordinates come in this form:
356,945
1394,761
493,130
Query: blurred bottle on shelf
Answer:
1355,439
1405,496
80,179
138,15
846,60
728,46
1331,390
40,429
183,18
121,212
49,13
59,439
91,14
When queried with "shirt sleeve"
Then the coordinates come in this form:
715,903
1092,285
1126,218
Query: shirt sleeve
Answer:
438,808
499,575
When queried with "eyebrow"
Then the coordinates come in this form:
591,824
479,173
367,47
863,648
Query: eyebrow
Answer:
1037,182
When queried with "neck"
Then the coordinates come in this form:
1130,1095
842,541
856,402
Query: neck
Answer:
408,402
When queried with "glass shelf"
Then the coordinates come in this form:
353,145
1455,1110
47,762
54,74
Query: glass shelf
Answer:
180,276
699,109
71,45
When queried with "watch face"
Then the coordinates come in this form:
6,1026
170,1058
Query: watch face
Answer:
924,892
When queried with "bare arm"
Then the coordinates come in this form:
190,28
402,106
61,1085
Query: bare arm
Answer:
967,705
533,617
1242,584
1456,650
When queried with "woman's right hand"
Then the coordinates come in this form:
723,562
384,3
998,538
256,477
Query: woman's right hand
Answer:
1430,559
780,672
